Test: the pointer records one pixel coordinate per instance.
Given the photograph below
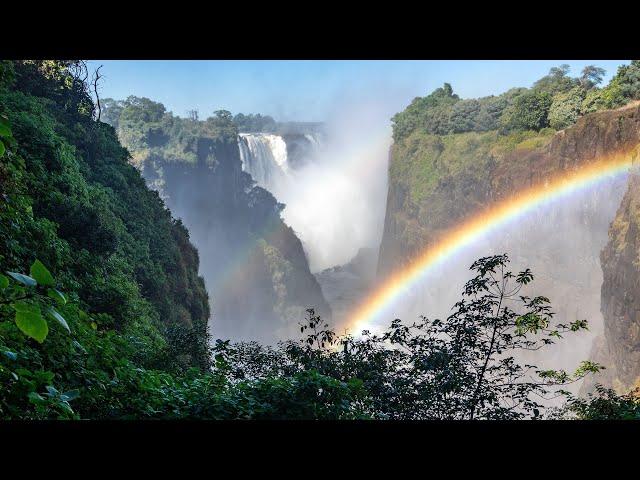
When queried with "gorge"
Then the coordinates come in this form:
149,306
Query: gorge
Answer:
154,266
436,181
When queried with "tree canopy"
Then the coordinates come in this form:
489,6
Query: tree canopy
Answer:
556,100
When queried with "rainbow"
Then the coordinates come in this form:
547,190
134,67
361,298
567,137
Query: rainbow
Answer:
492,218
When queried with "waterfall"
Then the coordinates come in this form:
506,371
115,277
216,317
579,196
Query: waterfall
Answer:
274,160
264,157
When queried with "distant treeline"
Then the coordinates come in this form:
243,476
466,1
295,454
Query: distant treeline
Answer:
555,101
147,128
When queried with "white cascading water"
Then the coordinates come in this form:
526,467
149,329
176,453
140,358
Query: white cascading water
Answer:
264,157
333,186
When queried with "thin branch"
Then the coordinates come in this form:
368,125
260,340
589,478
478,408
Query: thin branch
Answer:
96,79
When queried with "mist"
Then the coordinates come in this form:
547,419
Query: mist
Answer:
561,244
336,202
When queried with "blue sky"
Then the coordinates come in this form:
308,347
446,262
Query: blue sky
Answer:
310,90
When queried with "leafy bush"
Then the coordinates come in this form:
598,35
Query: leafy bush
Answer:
603,404
566,108
530,111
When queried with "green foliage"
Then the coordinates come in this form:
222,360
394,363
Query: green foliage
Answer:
627,81
30,321
591,76
462,367
529,111
255,123
556,100
110,323
429,113
80,220
556,81
603,404
566,108
459,368
41,275
623,88
150,132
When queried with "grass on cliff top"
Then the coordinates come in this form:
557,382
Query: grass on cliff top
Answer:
421,160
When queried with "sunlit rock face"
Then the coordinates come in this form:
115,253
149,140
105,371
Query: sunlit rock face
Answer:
620,349
436,183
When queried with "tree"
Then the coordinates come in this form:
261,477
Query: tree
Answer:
529,111
463,367
223,115
628,80
556,81
591,76
95,81
603,404
192,115
467,366
566,108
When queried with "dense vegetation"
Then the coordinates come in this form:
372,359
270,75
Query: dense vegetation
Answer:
102,314
448,151
255,123
555,101
149,130
254,265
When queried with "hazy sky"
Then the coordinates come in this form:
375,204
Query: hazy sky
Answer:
309,90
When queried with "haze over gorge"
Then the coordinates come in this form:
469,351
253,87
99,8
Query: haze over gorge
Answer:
325,185
353,259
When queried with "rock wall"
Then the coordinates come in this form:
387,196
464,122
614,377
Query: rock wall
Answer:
254,266
620,348
436,182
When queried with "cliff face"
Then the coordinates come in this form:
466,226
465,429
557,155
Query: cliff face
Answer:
254,266
346,285
620,349
436,182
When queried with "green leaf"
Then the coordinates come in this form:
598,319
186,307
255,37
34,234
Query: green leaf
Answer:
57,295
41,274
79,346
24,279
53,313
5,129
2,148
35,398
32,324
28,307
4,282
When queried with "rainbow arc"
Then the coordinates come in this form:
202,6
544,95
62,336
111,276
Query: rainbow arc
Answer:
498,215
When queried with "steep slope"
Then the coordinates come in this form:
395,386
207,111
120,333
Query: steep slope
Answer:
254,266
436,182
95,223
620,347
